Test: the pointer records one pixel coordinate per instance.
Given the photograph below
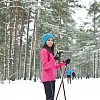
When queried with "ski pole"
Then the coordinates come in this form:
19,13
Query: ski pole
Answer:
62,83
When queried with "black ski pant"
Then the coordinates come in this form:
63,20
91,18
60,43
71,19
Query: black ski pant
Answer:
49,88
69,78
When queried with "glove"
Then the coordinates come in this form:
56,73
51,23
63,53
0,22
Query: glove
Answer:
67,61
56,57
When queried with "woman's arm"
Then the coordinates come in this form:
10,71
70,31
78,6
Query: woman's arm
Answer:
60,65
44,57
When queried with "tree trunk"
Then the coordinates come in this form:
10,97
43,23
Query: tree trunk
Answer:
20,48
93,65
32,52
35,40
26,49
14,49
10,44
5,48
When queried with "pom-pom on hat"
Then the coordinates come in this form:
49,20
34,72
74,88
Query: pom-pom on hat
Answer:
46,36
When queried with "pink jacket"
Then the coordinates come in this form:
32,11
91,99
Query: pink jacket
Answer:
49,66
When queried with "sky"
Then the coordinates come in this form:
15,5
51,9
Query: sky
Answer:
82,89
81,14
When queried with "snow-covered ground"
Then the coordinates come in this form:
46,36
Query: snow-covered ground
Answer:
85,89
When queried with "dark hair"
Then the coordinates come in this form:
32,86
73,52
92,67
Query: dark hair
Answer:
50,49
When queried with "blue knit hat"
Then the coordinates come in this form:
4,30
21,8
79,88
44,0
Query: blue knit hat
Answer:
46,36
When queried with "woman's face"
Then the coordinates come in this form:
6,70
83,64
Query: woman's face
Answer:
49,42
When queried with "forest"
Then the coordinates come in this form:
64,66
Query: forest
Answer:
22,24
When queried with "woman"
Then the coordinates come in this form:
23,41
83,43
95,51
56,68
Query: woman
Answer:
48,73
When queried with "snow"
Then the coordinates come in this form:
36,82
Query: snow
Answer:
82,89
